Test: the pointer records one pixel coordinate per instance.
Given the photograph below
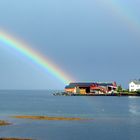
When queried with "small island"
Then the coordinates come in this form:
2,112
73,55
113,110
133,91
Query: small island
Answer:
3,123
99,89
14,139
50,118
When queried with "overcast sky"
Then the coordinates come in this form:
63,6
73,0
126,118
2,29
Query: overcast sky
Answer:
91,40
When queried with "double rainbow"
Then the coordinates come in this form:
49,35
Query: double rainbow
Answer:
34,56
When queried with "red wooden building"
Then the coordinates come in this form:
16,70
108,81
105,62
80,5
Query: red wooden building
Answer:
91,88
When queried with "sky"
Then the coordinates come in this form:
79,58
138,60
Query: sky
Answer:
90,40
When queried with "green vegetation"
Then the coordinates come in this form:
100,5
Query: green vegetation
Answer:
119,88
125,90
138,92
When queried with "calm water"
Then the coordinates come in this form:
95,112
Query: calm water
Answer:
113,117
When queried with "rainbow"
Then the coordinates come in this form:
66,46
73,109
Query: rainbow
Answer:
34,56
119,9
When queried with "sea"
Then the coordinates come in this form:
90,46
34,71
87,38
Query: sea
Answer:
106,118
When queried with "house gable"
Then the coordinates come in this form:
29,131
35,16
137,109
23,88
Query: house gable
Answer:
134,86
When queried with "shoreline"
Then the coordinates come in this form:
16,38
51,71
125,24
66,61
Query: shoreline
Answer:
14,139
50,118
90,94
4,123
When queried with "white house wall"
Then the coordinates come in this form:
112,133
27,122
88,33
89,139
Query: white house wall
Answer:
133,87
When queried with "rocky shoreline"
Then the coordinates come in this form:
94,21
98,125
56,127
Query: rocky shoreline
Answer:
3,123
48,118
92,94
14,139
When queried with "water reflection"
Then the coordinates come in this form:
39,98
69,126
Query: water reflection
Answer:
134,108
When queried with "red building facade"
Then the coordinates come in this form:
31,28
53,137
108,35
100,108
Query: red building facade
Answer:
92,88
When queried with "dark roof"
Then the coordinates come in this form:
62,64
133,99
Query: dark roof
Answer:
137,82
105,84
81,84
72,85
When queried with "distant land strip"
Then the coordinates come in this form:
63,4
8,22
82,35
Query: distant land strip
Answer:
14,139
90,94
3,123
49,118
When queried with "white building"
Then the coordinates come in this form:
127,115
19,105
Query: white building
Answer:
134,85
